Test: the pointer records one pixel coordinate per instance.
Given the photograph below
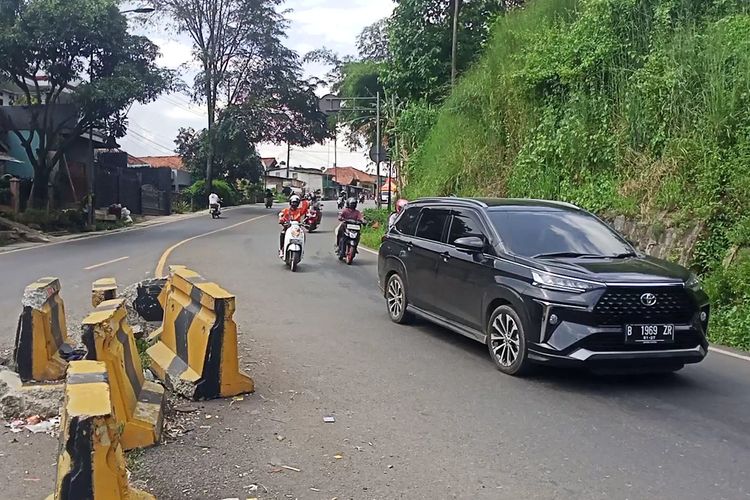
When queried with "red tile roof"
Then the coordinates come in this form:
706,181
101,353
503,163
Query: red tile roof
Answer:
173,161
346,175
268,162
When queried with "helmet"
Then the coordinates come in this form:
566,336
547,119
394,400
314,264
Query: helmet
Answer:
309,196
351,203
294,201
400,204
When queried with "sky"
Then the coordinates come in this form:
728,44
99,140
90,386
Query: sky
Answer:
313,24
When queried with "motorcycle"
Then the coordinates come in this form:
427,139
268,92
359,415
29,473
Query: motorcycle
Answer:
313,218
294,244
269,202
215,211
349,240
342,202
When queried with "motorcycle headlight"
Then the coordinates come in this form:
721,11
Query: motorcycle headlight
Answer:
296,232
693,282
563,283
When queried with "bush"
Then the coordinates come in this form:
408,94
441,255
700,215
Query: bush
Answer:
377,224
71,220
197,193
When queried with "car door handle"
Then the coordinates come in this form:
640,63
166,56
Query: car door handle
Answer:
446,256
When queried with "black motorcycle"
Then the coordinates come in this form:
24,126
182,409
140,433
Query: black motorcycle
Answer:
215,211
269,202
349,240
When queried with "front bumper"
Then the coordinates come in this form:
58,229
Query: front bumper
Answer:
575,339
619,359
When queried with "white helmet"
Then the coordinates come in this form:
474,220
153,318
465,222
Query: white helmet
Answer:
294,201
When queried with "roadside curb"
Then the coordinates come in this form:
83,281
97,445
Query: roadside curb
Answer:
730,352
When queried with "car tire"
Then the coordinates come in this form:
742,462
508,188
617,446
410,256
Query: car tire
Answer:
506,342
395,299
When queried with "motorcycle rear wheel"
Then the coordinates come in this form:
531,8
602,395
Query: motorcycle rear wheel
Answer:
349,255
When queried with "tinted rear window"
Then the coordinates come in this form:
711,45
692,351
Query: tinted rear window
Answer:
407,223
530,233
432,224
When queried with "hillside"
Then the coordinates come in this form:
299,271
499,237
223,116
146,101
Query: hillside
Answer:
635,108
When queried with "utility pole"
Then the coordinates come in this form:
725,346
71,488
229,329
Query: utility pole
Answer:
288,154
377,144
454,48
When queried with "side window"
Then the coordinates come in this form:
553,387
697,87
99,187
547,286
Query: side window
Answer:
432,224
407,223
464,224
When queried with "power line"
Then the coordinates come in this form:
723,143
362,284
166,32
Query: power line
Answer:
165,148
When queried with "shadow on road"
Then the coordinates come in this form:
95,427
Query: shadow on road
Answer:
577,380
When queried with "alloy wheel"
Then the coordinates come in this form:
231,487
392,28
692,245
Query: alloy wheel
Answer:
395,297
505,339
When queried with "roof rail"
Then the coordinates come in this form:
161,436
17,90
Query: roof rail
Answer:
452,199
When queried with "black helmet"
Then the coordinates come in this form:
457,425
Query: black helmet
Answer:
351,203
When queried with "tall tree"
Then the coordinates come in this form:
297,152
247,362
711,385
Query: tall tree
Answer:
372,42
239,46
421,40
76,52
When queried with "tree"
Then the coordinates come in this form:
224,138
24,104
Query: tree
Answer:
372,42
239,46
239,160
420,41
76,52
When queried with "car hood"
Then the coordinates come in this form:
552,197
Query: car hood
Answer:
629,270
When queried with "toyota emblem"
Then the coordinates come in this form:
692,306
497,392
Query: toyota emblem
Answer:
648,299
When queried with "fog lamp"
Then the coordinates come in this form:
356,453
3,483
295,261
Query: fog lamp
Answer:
553,319
704,316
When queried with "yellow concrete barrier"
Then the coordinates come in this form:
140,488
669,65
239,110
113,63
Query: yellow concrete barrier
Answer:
41,333
103,289
138,404
90,463
196,354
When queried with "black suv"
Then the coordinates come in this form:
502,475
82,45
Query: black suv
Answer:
542,282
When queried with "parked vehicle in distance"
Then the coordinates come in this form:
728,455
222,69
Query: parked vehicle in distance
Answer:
541,282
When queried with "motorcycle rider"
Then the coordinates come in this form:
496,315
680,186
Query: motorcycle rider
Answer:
295,211
213,199
350,212
400,204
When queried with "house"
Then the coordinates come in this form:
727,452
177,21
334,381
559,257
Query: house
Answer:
70,177
314,179
268,163
181,177
352,180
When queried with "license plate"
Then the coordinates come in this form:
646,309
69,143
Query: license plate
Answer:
649,334
353,227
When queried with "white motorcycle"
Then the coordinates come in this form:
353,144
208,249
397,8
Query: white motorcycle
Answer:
294,245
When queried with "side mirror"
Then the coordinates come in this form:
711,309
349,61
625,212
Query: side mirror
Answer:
473,244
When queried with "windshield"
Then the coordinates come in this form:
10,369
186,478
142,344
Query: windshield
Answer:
557,233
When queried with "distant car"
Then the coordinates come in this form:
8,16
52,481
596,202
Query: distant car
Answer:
541,282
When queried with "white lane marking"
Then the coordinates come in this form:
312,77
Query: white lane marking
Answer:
105,263
729,353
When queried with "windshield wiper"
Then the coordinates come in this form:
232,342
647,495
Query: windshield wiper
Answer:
576,255
624,255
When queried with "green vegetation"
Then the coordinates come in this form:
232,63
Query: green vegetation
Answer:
634,107
197,193
377,223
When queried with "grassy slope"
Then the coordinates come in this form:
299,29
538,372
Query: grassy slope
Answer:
638,107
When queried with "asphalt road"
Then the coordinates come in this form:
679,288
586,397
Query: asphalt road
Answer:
420,412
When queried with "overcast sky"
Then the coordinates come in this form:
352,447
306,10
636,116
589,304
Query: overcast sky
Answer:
314,23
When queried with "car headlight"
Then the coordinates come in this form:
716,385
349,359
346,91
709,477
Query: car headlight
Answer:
563,283
693,282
